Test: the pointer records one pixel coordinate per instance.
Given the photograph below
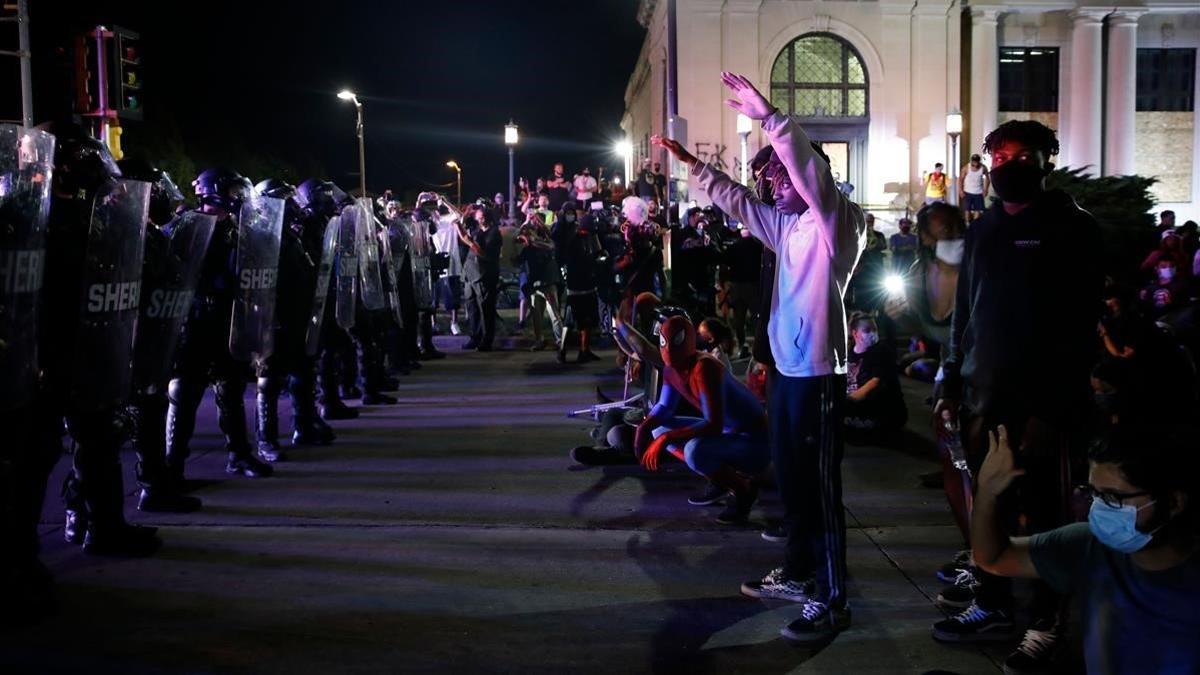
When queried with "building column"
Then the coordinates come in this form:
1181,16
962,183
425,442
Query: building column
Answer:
985,73
1084,147
1121,96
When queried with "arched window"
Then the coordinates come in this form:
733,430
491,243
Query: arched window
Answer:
820,76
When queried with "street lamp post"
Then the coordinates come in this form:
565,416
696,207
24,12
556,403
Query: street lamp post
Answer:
347,95
954,127
458,171
744,126
510,139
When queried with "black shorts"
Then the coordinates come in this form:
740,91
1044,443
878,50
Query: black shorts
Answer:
972,202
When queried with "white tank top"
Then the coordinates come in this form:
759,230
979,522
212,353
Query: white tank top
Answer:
973,180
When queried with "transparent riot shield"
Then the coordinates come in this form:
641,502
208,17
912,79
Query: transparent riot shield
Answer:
26,161
347,273
112,283
324,271
167,295
252,326
367,244
388,263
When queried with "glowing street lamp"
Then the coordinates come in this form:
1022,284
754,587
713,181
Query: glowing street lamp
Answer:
458,170
625,150
510,139
347,95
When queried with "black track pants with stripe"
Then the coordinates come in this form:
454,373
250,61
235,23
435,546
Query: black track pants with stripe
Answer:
806,447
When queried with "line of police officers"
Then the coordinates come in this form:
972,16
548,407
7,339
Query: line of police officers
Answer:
118,307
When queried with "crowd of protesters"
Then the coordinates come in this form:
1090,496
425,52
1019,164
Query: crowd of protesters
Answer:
1006,309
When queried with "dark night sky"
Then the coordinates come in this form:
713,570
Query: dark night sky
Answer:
438,80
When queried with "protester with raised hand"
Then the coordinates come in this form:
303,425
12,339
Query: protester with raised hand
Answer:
818,235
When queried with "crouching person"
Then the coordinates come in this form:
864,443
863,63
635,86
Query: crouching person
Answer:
727,445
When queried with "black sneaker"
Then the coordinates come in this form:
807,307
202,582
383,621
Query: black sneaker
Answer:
711,495
601,456
587,357
961,593
351,392
469,345
738,509
1036,651
949,572
248,466
776,534
775,586
817,622
975,624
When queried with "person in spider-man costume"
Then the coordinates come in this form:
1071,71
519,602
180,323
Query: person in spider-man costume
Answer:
729,443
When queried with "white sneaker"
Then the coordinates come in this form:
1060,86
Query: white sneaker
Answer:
454,329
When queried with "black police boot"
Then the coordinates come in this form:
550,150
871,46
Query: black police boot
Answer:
373,397
108,533
332,407
76,521
268,421
307,426
243,462
167,493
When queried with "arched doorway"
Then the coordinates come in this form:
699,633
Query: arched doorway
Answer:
820,79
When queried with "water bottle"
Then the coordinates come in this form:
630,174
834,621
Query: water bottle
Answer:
951,438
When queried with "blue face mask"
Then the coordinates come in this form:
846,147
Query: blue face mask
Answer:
1116,527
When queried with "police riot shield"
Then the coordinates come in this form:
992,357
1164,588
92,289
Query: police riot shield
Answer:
252,326
367,243
26,160
328,248
346,268
168,289
388,266
112,283
421,254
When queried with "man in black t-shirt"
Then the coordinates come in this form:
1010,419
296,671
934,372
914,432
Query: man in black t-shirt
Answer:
646,185
660,182
558,188
482,273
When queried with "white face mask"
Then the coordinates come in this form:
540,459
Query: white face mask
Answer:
1166,274
950,251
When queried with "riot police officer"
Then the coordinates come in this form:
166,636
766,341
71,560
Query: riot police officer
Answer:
90,303
174,250
321,200
204,356
26,162
289,364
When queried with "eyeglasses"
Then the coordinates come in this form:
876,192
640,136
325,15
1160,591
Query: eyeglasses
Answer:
1114,499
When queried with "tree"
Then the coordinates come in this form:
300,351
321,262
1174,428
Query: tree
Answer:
1122,205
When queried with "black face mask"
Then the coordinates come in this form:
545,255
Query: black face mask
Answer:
704,345
1018,182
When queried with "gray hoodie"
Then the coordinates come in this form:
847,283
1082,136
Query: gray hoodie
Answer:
816,251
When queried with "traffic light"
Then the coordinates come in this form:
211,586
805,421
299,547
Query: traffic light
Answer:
127,75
